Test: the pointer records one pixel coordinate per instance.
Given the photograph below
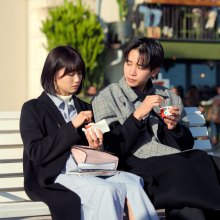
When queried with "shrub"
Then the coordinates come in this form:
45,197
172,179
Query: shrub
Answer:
77,27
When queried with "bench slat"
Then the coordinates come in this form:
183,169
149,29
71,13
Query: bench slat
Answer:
202,145
192,110
10,210
9,126
11,182
16,189
11,153
10,115
10,140
196,120
13,196
199,132
8,168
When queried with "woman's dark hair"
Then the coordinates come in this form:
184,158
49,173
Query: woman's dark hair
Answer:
58,58
150,50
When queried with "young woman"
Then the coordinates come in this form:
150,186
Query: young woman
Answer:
185,183
49,126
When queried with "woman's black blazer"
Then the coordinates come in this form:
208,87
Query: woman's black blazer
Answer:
47,139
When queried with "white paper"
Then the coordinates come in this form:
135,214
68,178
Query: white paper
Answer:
103,166
101,125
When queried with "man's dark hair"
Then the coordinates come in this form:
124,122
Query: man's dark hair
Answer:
58,58
150,50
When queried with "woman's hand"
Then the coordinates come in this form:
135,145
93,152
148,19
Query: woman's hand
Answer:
147,105
83,117
95,142
172,120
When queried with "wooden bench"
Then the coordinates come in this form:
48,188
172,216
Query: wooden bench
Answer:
13,200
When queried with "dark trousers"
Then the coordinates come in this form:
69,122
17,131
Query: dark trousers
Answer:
175,182
191,214
195,213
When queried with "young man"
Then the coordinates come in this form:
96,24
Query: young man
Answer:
150,146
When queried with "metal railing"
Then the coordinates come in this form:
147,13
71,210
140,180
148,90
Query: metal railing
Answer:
180,22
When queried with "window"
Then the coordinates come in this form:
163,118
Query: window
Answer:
203,75
176,74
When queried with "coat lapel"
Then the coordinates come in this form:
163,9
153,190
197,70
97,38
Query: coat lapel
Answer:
127,90
127,102
78,104
54,111
48,104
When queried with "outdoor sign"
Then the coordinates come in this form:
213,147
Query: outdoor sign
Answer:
162,82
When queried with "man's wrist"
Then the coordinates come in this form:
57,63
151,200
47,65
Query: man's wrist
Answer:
137,116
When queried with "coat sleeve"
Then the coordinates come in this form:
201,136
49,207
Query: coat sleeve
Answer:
179,138
122,137
40,147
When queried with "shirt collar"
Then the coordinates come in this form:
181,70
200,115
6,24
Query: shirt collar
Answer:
58,102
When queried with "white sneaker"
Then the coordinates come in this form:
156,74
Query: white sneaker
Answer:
165,30
219,30
170,33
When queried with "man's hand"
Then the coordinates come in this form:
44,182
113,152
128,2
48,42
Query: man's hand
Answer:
83,117
147,105
172,120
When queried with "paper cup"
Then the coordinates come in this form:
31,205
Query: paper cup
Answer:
88,126
89,129
166,111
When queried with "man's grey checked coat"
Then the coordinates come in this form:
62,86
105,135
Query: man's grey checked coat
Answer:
118,101
172,179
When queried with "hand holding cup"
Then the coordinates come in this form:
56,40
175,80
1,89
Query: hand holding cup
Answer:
170,115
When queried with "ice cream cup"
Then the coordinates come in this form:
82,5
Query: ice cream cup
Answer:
166,111
88,126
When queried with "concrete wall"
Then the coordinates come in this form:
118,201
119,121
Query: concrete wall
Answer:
12,54
109,11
